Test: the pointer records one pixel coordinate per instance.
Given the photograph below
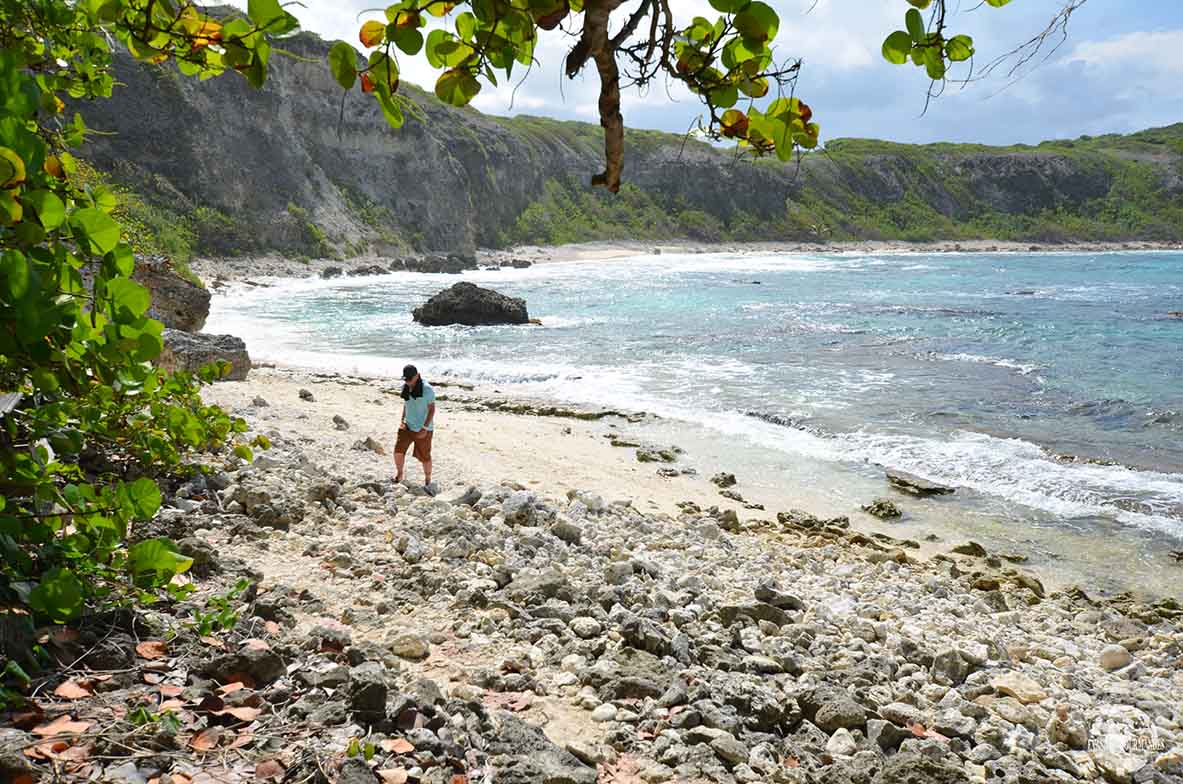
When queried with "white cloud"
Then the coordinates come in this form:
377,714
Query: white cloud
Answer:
1156,50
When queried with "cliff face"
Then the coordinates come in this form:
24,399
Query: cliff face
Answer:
290,168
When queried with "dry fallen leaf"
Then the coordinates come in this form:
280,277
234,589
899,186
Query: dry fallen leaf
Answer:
393,776
152,649
46,750
270,770
397,746
168,690
256,644
62,725
214,642
171,705
271,627
206,740
230,688
243,739
242,714
459,778
152,678
72,690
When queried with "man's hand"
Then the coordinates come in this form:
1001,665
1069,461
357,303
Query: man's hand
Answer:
402,425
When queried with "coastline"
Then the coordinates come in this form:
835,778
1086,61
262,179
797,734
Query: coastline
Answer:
557,575
215,270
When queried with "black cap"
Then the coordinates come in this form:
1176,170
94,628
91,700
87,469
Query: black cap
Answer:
409,372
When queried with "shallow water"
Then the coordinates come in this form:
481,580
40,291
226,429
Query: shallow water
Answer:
981,371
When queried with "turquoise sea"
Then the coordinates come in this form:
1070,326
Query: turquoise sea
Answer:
1048,387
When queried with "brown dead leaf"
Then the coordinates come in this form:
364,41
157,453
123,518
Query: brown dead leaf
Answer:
152,649
171,705
393,776
168,690
792,762
243,739
397,746
241,677
230,688
242,714
206,740
62,725
46,751
918,730
271,770
72,690
152,678
459,778
181,778
271,627
255,644
214,642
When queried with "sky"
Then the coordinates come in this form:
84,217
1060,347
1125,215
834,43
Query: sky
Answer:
1119,71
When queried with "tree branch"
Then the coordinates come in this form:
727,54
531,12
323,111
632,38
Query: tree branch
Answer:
598,45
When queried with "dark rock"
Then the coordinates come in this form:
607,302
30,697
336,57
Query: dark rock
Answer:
757,611
371,444
468,304
970,548
547,584
262,665
306,395
340,423
176,301
914,485
912,768
831,708
367,692
522,754
331,272
768,593
883,509
192,351
723,479
885,734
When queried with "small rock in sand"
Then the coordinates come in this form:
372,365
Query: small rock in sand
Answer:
306,395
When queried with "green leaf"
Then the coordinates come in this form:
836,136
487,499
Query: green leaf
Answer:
343,64
58,596
101,232
14,268
145,498
156,559
270,16
49,208
915,24
959,48
728,6
129,299
244,451
457,87
391,110
896,47
757,21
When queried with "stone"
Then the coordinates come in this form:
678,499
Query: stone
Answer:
900,713
912,768
1019,686
370,444
723,479
586,628
972,549
306,395
842,744
339,422
567,532
1170,761
1114,657
410,646
470,305
730,749
259,402
603,713
177,301
915,485
886,735
262,665
757,611
950,668
518,508
883,509
831,708
367,692
768,593
191,351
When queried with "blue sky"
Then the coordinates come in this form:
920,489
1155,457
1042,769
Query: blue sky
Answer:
1120,71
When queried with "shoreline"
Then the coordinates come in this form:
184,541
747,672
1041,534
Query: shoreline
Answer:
216,270
498,437
557,577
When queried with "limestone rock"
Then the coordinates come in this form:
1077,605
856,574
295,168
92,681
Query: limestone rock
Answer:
192,351
468,304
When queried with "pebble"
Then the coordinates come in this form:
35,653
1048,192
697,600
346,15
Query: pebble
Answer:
1114,657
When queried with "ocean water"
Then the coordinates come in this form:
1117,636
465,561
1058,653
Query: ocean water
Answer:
1048,387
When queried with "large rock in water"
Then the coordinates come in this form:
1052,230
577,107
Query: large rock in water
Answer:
469,304
194,350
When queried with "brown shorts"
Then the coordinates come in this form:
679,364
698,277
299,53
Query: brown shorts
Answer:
406,439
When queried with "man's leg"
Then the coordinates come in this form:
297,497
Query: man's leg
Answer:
426,472
400,460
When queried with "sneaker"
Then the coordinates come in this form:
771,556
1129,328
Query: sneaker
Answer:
430,490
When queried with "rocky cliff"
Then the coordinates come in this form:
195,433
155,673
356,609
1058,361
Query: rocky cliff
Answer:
289,168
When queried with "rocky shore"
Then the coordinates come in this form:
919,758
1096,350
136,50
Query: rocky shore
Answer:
223,270
585,621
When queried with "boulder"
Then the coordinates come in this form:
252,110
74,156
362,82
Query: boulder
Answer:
177,301
468,304
194,350
915,485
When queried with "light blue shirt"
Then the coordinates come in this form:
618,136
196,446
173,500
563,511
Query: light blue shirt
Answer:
416,409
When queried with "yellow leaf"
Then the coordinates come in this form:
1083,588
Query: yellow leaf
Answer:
372,33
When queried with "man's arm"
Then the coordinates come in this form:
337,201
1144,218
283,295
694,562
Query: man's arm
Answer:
402,422
430,415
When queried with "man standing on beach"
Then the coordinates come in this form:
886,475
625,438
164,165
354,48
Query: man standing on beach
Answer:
416,426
